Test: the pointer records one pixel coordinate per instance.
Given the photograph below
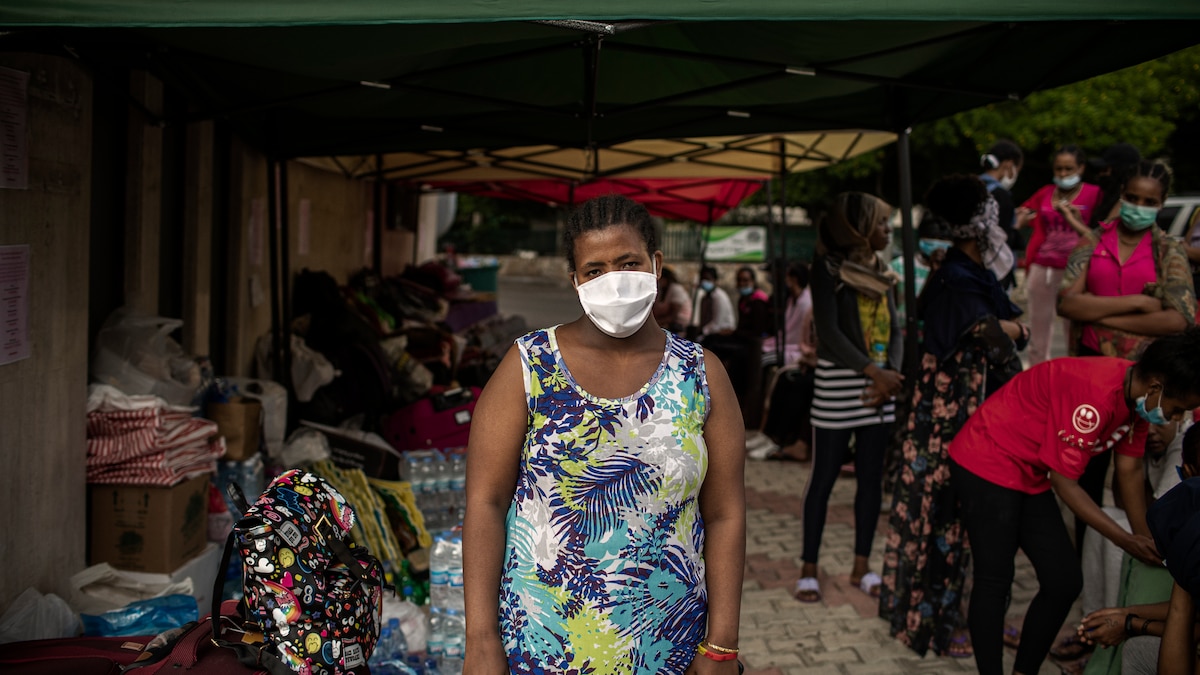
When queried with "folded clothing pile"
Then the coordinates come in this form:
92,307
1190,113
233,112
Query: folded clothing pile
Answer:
142,440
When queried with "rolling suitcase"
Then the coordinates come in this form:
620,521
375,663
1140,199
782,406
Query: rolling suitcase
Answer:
71,656
439,420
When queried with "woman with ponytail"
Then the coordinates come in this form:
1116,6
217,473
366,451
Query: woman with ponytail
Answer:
1001,166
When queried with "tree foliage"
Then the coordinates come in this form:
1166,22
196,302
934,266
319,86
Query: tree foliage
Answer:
1154,105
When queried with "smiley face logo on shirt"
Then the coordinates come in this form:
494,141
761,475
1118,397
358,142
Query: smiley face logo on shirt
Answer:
1086,419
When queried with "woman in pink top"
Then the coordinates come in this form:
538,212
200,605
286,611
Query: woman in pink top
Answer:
1059,214
1126,284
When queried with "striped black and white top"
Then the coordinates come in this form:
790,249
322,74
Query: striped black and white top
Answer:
837,401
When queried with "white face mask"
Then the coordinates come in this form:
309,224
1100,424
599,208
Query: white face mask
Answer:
1067,182
1009,181
619,303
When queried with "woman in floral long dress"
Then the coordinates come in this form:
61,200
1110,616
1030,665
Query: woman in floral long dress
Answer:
605,524
925,560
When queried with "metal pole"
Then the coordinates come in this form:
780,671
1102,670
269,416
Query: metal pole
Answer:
377,231
273,258
779,264
285,277
910,248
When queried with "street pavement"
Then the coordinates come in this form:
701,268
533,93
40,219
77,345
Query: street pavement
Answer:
841,635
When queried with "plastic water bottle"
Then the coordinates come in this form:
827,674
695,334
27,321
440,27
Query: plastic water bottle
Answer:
382,649
455,643
439,572
879,354
441,472
417,666
458,484
431,667
399,648
436,646
454,596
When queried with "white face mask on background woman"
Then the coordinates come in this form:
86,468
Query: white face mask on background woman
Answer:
618,303
1009,181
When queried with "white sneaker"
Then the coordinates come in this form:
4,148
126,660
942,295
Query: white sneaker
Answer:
757,439
762,451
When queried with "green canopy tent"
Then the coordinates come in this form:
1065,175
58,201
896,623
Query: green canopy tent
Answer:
356,77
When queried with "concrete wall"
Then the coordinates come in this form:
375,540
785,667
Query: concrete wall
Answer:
42,398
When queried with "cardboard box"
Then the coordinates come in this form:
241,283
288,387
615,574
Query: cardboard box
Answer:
148,529
240,422
358,450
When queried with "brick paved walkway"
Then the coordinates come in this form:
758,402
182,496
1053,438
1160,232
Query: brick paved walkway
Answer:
843,634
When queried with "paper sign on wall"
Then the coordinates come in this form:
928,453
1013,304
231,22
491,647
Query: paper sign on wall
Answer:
14,139
14,303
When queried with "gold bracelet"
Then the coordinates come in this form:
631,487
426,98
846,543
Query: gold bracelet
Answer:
718,648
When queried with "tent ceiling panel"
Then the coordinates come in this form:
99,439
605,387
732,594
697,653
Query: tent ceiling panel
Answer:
346,12
377,80
754,157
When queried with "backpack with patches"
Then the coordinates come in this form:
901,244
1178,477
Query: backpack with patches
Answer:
318,601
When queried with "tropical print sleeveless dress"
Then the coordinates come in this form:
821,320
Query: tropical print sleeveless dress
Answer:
603,570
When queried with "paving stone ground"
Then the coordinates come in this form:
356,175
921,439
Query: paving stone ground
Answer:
843,634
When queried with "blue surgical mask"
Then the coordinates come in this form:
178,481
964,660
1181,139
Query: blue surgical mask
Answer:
1067,182
1155,416
745,290
1138,218
931,246
707,285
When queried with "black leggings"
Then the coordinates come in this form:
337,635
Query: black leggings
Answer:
998,522
830,450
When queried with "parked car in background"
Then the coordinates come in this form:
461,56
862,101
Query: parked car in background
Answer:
1178,214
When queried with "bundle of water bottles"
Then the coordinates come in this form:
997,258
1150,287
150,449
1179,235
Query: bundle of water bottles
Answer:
438,481
391,655
447,629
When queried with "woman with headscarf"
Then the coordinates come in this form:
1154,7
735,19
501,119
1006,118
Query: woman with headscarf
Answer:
859,350
925,561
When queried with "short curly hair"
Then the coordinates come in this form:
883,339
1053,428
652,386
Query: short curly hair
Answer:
956,198
604,212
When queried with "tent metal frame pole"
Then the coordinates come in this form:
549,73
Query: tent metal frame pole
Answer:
779,264
273,261
285,276
910,247
377,226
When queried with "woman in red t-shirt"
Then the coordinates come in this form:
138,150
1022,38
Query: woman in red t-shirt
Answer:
1059,214
1032,440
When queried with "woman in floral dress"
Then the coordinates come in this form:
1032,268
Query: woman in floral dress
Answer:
605,524
925,560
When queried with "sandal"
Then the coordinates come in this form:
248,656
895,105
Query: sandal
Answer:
808,590
869,584
1070,648
1012,636
960,647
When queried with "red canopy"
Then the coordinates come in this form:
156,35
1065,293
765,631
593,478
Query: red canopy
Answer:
702,200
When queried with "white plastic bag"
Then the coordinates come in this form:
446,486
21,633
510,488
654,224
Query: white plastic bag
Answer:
413,621
306,446
135,354
33,616
101,588
310,369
